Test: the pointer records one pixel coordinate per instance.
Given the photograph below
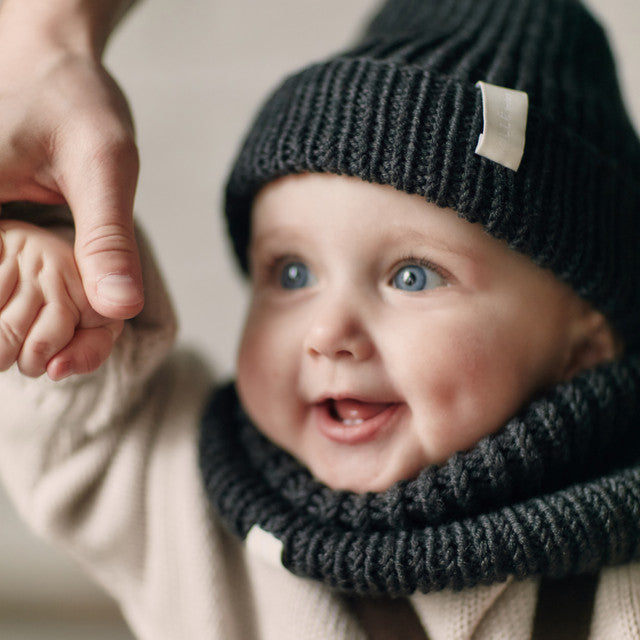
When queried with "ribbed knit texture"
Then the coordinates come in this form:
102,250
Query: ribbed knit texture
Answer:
401,108
556,492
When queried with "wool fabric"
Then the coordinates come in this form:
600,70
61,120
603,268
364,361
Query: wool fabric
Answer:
554,493
401,108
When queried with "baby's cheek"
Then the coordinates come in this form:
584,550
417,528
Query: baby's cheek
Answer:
464,397
263,364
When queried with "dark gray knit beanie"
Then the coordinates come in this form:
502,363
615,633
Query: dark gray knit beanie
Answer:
402,107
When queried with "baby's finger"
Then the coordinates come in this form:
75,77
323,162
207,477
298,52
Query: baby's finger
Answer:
50,332
88,349
16,318
9,274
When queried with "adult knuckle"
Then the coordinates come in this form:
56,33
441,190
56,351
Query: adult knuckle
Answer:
106,143
113,236
116,150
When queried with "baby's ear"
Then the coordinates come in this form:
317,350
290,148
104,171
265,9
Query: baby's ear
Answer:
593,342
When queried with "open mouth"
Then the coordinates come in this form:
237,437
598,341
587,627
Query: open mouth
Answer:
350,421
354,412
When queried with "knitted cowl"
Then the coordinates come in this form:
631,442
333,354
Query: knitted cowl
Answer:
555,492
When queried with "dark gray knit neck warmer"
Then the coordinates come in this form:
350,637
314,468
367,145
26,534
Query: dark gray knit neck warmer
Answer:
556,492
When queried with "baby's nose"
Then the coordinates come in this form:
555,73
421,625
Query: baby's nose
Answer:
338,333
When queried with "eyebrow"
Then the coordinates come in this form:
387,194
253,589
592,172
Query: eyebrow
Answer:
287,233
439,242
279,234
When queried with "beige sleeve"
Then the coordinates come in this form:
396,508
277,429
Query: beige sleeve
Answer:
88,461
616,612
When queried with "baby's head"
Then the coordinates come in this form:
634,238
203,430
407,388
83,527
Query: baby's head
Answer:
375,347
412,288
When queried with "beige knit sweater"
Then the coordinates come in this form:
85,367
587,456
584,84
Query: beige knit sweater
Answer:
105,466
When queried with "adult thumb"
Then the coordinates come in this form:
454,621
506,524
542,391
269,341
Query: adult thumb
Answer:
101,197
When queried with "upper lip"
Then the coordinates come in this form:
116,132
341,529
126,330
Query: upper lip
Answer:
358,397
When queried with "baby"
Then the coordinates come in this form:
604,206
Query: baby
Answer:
437,383
369,352
374,350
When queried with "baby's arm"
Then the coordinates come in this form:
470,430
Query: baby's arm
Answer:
105,466
46,322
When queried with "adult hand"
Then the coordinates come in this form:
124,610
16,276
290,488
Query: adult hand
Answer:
66,134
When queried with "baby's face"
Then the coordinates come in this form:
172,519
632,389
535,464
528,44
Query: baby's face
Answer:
386,333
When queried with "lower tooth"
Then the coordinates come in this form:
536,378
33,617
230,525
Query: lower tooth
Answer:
350,423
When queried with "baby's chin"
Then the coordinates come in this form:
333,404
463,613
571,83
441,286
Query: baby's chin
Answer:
359,477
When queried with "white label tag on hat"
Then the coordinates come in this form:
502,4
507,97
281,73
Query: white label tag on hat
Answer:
505,124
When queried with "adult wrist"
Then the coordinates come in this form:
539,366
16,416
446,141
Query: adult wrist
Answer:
80,27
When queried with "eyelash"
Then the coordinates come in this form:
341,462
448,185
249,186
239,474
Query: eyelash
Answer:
271,269
421,262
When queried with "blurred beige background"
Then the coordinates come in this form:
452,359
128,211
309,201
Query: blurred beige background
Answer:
195,72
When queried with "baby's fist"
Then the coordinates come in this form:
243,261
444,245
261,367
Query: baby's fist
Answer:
46,323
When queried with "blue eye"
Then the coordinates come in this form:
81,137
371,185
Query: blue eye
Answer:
295,275
414,277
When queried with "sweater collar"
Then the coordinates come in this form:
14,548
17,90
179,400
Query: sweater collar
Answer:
555,492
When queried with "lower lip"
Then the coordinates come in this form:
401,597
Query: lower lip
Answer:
363,432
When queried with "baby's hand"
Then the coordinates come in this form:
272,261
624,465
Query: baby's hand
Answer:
46,322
